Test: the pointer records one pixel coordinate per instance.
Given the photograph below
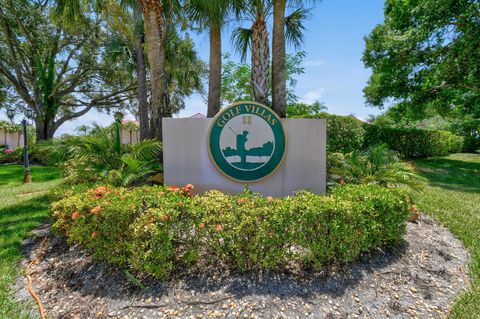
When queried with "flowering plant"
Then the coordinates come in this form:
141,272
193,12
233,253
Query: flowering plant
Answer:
158,229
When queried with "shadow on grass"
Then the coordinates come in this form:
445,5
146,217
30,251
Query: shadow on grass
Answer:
16,221
451,174
13,174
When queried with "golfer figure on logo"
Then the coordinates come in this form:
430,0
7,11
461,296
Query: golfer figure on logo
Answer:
241,151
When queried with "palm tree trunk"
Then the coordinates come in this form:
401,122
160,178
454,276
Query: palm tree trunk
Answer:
215,76
155,40
260,58
278,59
141,78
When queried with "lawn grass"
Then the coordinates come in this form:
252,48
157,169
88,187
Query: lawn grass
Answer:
453,198
22,208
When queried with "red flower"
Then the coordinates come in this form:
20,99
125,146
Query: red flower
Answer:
242,200
173,188
201,225
8,151
94,234
75,215
189,186
218,227
96,210
100,191
164,218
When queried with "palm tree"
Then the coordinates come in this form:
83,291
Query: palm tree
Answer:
141,69
211,14
278,58
83,129
256,38
157,20
156,27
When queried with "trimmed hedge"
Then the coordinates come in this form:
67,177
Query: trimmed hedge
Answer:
414,143
157,230
345,134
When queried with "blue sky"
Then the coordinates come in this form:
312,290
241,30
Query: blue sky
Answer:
334,73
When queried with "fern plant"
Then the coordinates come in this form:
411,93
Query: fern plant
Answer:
377,165
94,157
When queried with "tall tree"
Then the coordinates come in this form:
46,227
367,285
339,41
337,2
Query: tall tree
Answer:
211,14
158,17
141,69
156,27
425,57
57,72
279,104
257,38
125,22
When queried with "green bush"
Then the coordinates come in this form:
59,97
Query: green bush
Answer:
95,157
11,156
471,144
344,133
377,165
157,229
414,143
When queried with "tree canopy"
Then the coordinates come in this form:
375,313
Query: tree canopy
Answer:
57,72
425,58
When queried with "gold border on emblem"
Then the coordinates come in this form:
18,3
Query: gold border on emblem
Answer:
284,155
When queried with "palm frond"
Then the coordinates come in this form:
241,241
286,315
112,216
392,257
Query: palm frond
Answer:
242,41
294,26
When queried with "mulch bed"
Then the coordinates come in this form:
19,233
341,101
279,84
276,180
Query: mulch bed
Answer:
420,278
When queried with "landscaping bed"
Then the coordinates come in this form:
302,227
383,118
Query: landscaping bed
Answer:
159,230
420,276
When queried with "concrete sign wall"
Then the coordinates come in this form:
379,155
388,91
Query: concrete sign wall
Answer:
187,159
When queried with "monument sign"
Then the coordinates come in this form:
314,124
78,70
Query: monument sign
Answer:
246,143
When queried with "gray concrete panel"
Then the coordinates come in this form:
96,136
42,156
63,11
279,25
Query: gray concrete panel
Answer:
186,158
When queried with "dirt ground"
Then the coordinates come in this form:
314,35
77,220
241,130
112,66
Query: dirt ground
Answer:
419,278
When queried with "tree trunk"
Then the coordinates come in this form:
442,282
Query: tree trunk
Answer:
215,76
278,59
44,130
155,40
141,78
260,59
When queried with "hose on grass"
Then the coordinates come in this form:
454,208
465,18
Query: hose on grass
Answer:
34,261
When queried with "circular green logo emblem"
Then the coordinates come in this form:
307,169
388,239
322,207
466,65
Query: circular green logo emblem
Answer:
247,141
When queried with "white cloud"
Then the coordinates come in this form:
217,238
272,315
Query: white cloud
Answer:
313,96
314,63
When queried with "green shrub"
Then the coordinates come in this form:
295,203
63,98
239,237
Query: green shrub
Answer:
157,229
95,157
413,143
378,165
344,133
471,144
11,156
